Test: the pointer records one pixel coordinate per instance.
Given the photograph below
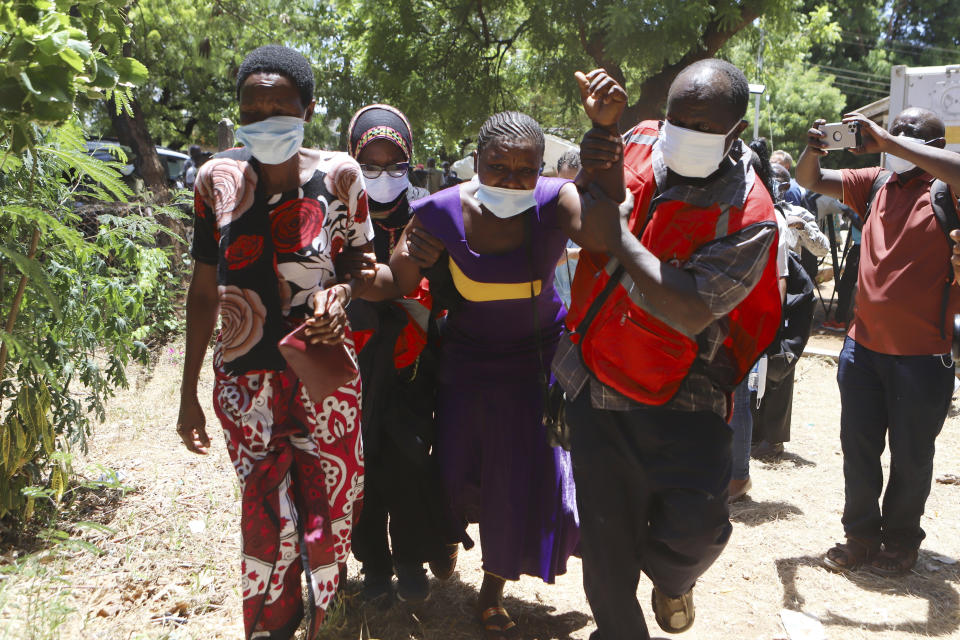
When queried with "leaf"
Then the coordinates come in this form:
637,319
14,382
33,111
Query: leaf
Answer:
36,276
55,43
131,71
72,58
57,483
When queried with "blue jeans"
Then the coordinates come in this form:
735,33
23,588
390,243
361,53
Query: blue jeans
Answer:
742,424
905,399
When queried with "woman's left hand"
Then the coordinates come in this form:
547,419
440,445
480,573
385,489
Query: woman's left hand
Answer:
329,322
420,246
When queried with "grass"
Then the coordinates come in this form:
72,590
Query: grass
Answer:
161,559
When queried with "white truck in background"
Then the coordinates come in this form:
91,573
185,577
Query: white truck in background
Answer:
933,88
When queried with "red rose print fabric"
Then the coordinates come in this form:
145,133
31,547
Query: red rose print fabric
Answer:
300,467
300,463
244,251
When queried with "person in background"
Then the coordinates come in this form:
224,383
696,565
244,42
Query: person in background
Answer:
895,372
692,253
434,176
795,194
804,232
568,166
397,343
743,419
449,176
269,220
418,177
771,404
192,165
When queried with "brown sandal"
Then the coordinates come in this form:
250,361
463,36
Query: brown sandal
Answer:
849,556
894,562
497,624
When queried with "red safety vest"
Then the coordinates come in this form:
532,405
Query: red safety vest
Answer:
629,349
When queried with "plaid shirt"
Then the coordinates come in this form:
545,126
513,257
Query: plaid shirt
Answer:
724,272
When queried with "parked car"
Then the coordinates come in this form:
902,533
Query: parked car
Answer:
172,161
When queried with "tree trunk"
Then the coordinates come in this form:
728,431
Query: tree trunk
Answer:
653,90
133,132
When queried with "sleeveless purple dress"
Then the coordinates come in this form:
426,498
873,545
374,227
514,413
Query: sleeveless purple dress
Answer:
495,464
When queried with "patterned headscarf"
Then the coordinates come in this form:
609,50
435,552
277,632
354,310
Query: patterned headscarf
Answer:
379,122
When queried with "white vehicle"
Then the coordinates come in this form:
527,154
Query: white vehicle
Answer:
933,88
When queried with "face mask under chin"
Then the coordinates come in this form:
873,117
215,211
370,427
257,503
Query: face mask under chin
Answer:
505,203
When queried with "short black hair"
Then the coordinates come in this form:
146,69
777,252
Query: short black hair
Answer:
510,124
736,92
273,58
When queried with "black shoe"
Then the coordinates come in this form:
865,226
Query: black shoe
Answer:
412,585
376,585
765,450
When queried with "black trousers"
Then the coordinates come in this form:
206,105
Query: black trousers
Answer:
406,495
771,421
652,496
905,399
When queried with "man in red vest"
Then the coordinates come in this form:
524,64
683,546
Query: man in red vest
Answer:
663,325
895,373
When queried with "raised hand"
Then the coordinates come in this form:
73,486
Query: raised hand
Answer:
873,138
815,138
603,98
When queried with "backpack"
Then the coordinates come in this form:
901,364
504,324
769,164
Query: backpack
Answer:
945,211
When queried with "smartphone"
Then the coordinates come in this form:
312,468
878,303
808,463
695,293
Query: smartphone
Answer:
841,135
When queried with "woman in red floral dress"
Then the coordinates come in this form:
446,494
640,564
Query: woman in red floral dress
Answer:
270,219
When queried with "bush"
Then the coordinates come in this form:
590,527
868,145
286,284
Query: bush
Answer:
78,309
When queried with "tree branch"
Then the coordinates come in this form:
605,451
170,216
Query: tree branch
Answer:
653,90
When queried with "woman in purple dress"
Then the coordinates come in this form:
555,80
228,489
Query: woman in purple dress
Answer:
503,233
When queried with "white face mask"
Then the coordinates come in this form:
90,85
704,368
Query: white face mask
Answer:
692,154
385,188
505,203
274,140
899,165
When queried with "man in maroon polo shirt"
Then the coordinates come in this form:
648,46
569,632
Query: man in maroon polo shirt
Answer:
896,372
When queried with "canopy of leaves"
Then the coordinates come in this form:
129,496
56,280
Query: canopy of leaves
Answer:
53,52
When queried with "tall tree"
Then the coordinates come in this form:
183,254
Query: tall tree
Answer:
494,54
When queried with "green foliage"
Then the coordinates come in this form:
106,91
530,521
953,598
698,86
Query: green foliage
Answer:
51,53
193,70
92,302
776,53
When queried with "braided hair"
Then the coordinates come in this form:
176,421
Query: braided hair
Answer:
510,124
761,154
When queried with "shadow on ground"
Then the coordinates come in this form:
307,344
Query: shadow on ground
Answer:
788,458
81,505
933,586
751,513
449,614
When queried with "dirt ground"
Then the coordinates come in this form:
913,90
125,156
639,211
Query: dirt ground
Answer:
161,560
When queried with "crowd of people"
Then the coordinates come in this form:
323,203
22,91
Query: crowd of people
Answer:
612,423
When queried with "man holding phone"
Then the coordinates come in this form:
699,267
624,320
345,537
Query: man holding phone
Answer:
895,373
